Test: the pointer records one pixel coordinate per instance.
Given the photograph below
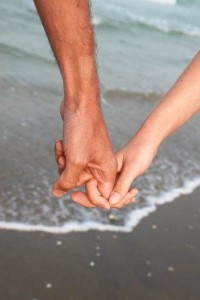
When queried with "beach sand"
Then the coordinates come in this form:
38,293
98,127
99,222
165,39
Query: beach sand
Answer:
160,259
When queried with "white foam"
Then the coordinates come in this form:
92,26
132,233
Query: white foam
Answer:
173,2
69,227
132,221
96,21
167,26
136,216
164,24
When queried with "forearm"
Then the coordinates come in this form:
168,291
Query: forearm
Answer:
178,105
70,33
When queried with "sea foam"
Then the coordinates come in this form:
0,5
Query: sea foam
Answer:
165,25
133,219
173,2
96,21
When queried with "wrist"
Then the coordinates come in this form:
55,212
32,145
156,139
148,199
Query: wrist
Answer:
146,138
154,130
80,76
81,86
88,101
84,108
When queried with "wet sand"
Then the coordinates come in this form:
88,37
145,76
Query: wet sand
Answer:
160,259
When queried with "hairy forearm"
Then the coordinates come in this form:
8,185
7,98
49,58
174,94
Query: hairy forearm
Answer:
70,33
178,106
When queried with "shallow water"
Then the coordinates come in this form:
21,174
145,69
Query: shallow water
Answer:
142,47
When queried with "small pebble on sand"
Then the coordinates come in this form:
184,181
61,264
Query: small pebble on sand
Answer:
171,269
98,254
190,227
92,264
97,248
148,262
98,237
49,285
59,243
112,218
149,274
154,226
115,236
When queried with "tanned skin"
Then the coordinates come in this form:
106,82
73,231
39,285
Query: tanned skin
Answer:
86,154
176,108
87,148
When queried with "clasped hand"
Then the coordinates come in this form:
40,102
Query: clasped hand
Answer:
85,156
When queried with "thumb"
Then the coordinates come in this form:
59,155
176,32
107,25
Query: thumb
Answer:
122,185
69,179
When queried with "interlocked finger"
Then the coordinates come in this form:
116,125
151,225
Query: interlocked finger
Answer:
94,195
128,199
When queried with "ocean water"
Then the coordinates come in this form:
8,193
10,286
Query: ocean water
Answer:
142,47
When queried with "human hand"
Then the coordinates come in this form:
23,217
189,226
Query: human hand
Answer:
93,195
133,160
88,153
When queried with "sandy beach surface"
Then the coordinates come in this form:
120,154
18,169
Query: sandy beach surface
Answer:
158,260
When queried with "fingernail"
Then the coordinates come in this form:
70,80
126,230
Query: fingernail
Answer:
105,206
134,192
115,198
57,141
58,193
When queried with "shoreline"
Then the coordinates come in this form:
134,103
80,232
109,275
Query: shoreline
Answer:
158,260
135,217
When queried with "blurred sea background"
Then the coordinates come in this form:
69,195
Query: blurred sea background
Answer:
142,47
